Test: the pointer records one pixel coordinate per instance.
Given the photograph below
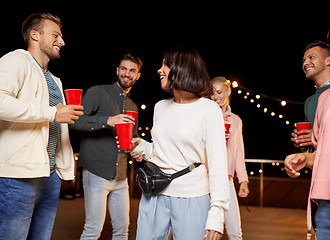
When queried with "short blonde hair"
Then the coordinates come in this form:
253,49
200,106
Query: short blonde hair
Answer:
35,22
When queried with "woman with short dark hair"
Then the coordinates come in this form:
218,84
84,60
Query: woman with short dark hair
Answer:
187,130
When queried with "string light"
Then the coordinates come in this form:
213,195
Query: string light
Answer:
258,97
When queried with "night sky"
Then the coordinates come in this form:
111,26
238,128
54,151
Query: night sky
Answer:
259,46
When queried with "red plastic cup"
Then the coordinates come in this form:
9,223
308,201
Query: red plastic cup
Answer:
125,135
303,126
227,130
73,96
133,114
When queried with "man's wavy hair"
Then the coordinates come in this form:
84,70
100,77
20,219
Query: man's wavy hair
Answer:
188,72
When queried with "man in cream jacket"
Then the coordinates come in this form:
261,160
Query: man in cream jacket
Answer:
35,149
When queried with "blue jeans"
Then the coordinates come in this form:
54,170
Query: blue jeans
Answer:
186,216
99,193
322,219
28,207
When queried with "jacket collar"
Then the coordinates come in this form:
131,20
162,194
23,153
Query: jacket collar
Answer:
228,112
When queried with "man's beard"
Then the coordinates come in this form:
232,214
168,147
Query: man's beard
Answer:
49,51
126,85
315,73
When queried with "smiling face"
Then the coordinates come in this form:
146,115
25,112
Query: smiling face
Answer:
314,62
50,39
221,94
163,73
127,73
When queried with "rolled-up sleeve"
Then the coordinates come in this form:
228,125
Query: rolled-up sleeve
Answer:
89,121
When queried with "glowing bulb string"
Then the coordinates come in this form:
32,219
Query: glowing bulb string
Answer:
269,97
255,97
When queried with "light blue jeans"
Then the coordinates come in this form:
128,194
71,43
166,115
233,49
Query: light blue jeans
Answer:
28,207
99,193
186,216
322,219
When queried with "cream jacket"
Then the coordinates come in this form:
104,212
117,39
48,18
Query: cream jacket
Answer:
24,121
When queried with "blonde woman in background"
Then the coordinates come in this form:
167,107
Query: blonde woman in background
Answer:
235,156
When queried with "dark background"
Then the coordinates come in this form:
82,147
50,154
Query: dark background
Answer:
259,46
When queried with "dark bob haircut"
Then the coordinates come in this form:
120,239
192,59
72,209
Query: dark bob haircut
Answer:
188,72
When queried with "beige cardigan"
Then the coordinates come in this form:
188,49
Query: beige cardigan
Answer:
24,121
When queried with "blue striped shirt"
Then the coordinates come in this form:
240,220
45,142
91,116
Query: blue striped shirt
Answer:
55,97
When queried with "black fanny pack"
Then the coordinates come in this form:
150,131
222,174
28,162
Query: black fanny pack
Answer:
152,180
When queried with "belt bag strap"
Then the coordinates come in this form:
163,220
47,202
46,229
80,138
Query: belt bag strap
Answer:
185,171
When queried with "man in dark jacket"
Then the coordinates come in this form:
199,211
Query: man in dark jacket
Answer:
104,165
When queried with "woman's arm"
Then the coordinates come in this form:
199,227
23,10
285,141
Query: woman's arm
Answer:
218,172
239,157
